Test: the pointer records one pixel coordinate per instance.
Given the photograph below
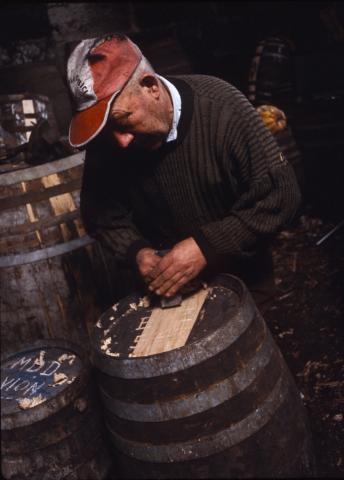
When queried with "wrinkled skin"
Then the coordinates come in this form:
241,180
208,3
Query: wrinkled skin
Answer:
165,276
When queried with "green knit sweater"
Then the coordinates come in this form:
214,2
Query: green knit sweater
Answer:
223,181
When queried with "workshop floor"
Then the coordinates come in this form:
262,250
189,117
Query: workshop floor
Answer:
307,321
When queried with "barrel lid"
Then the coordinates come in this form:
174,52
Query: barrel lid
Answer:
136,328
38,380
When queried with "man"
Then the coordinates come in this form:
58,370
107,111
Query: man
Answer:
183,163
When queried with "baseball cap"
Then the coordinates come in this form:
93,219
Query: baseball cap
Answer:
97,71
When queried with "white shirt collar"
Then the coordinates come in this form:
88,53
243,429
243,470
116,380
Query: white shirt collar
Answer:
177,108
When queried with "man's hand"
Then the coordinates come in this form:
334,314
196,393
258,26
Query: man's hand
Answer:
147,260
177,267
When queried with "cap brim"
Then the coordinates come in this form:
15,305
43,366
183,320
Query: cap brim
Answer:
86,124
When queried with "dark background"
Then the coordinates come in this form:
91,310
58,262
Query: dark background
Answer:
217,38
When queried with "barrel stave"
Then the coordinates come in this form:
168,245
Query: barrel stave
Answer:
209,421
38,200
192,379
51,430
281,449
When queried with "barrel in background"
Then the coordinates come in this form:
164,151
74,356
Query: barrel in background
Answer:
271,76
51,425
220,404
54,278
18,116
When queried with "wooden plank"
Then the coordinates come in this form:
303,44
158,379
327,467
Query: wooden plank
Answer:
61,203
167,329
31,214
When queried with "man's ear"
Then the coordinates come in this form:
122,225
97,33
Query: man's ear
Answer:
151,84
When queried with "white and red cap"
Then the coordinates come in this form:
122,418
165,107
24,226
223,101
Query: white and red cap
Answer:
98,69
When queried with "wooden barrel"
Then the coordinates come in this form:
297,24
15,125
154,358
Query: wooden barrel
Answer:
51,426
199,391
18,116
54,280
270,78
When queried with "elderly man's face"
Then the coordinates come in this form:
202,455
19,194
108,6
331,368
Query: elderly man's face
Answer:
139,120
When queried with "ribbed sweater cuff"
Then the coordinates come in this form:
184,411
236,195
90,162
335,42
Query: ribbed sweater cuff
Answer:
206,248
133,250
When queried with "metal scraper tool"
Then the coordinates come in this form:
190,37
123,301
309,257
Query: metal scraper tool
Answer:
170,302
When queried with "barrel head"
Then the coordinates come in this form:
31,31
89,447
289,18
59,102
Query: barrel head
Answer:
135,329
33,379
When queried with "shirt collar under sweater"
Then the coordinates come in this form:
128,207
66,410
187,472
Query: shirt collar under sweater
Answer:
177,108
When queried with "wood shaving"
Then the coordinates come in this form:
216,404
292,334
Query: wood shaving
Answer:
60,379
106,331
133,306
25,403
144,302
111,354
99,324
65,357
114,307
286,332
106,344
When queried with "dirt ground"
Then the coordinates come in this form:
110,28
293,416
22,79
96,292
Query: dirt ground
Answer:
307,321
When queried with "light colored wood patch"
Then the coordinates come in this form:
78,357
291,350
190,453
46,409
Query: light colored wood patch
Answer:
167,329
60,203
31,214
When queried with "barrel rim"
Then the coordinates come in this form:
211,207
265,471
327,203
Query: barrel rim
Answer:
45,169
59,249
41,411
50,342
187,355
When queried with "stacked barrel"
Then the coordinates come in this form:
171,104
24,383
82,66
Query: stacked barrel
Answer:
55,282
51,424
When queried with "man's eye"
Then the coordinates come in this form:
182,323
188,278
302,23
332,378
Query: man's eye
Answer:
113,125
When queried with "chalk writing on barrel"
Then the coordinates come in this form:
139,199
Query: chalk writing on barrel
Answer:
32,365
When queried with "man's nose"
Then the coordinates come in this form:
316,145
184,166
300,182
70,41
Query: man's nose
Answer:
123,139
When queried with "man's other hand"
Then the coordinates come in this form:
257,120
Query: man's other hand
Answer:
180,265
147,260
